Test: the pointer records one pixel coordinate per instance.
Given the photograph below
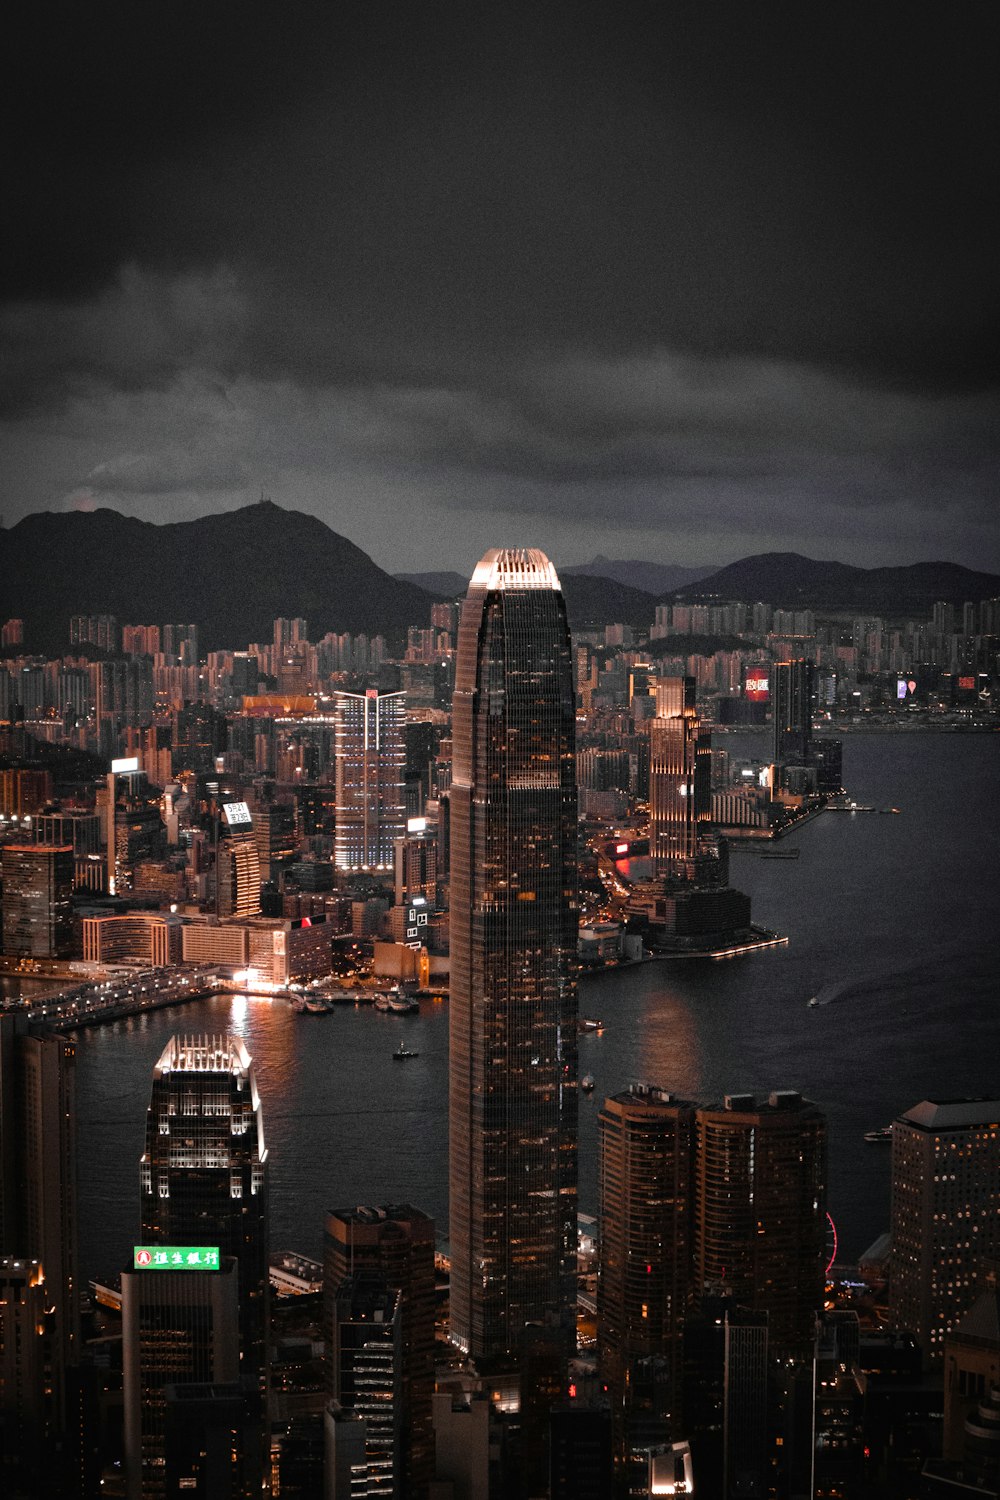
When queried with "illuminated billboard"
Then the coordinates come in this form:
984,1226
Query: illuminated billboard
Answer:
906,687
967,684
237,814
757,688
175,1257
123,767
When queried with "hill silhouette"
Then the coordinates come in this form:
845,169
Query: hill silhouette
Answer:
231,574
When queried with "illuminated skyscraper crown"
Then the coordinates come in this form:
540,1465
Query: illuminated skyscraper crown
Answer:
203,1054
515,568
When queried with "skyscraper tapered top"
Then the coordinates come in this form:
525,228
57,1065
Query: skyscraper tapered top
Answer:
514,568
513,1072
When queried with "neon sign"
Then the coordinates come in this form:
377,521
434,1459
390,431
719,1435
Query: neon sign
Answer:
175,1257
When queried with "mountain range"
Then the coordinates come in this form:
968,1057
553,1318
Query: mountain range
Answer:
790,581
654,578
233,574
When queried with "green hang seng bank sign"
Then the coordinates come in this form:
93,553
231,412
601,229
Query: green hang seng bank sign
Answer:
175,1257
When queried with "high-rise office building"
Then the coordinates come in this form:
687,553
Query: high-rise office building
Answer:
417,863
945,1214
371,814
211,1448
275,837
203,1173
513,1042
745,1394
646,1186
395,1242
81,829
345,1465
760,1209
237,864
38,1174
791,710
680,776
135,829
23,1416
37,891
367,1362
580,1453
178,1327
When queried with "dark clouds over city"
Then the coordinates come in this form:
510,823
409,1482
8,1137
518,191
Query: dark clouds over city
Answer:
681,281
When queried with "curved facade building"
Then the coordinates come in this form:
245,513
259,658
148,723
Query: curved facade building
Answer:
760,1205
513,1058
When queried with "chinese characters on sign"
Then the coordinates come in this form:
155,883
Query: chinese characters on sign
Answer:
175,1258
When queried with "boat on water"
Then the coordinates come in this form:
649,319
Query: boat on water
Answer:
396,1004
313,1006
880,1137
587,1083
815,1000
780,853
591,1023
402,1053
889,809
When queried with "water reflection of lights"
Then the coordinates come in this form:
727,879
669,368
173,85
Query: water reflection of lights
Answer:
670,1048
239,1006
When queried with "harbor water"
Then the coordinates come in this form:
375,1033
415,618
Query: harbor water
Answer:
891,922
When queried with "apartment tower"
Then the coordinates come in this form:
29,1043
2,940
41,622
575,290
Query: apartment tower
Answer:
760,1210
945,1215
646,1185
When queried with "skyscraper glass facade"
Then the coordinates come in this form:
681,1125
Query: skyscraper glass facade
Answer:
203,1174
513,1053
370,757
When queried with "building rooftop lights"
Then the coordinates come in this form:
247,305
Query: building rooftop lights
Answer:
515,568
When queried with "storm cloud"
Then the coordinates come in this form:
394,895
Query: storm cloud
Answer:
680,281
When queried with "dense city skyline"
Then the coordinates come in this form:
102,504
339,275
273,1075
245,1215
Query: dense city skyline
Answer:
599,930
647,283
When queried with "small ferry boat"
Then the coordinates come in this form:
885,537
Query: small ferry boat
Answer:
395,1003
402,1053
315,1007
591,1023
587,1083
880,1137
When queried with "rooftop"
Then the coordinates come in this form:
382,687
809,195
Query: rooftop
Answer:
952,1114
515,568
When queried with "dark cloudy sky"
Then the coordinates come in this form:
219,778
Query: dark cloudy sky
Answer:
684,281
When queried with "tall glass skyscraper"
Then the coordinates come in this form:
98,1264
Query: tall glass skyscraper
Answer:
371,814
513,1049
791,709
204,1171
680,771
